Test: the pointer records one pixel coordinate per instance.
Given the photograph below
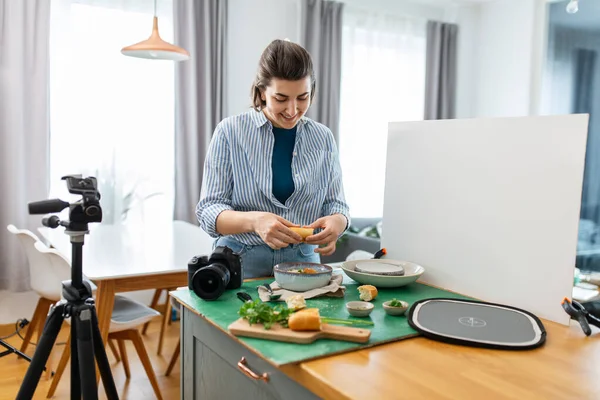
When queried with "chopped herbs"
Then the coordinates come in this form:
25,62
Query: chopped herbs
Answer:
396,303
257,312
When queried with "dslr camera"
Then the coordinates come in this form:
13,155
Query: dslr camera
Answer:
210,276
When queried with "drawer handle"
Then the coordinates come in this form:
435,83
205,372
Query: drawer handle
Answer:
243,366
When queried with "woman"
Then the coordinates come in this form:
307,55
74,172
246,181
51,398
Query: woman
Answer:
272,168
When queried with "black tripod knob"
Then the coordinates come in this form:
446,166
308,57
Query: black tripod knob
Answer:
51,222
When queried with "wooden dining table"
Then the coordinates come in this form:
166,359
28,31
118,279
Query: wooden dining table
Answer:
125,258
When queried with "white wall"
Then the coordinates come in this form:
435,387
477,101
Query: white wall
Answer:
501,49
251,27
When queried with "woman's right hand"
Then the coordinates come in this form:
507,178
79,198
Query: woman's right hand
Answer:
274,230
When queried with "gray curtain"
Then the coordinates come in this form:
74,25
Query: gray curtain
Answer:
322,36
583,94
24,135
440,75
200,27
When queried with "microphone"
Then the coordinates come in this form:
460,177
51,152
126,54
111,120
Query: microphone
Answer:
47,206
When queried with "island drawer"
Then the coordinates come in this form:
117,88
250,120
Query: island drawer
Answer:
214,363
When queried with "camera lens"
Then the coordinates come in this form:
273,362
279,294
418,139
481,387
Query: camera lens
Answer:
210,282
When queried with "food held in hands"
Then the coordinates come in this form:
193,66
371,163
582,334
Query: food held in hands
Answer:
367,292
302,231
305,320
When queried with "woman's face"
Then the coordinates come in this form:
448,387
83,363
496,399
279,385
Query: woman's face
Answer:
287,101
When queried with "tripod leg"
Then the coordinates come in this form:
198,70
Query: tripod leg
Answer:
102,359
42,352
11,349
85,350
75,381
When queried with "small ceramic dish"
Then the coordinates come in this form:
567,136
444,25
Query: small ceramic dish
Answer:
395,310
302,276
359,308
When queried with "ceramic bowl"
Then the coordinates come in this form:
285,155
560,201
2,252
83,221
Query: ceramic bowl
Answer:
412,272
390,310
359,308
289,276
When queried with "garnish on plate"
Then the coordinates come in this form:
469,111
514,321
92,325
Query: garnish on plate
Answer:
396,303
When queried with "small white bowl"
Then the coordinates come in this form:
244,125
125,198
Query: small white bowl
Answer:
359,308
394,310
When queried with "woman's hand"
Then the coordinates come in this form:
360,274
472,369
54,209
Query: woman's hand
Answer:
274,230
333,226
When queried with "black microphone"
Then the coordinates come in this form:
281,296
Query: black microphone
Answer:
47,206
51,222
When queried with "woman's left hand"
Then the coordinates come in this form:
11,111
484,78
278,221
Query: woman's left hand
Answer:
333,226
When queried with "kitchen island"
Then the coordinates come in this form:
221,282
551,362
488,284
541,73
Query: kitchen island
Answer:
216,364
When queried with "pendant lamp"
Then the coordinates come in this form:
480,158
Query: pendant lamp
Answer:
155,48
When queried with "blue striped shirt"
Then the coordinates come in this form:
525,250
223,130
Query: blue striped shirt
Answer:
238,174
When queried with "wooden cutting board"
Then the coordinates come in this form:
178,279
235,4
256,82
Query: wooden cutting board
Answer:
241,327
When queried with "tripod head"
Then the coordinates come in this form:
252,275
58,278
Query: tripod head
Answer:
81,213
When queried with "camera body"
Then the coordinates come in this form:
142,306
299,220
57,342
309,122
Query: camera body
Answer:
210,276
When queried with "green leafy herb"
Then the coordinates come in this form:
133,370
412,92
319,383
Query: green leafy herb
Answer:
396,303
327,320
257,312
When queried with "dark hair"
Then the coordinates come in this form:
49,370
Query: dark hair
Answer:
282,59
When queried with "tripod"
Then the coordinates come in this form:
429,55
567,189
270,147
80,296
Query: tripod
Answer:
10,350
86,341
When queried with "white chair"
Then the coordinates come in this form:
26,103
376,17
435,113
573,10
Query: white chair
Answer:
127,316
45,280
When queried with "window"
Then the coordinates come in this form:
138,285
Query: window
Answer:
572,73
383,80
112,116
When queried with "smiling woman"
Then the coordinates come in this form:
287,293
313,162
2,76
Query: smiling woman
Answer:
272,168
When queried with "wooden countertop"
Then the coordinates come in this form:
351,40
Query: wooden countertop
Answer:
566,367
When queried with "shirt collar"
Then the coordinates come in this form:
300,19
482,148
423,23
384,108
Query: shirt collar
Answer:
260,119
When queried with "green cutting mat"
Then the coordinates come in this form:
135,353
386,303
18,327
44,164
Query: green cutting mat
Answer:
223,312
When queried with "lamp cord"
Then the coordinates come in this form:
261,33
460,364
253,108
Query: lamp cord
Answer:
155,8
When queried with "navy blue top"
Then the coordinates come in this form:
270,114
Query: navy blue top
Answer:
283,149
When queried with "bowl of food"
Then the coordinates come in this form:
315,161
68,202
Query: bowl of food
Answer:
302,276
395,307
359,308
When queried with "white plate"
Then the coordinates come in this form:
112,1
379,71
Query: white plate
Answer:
412,272
379,268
